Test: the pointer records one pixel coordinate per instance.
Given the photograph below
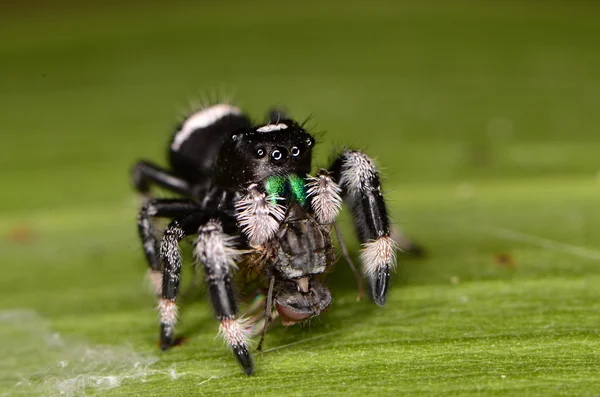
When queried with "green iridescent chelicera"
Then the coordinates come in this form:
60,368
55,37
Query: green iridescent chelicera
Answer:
297,188
290,187
275,186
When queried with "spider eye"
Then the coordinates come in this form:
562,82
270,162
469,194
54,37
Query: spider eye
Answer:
295,151
278,155
310,142
260,152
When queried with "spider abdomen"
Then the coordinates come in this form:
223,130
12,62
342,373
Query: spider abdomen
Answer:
198,140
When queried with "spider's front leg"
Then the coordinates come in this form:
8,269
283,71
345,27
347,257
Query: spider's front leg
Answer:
361,189
219,253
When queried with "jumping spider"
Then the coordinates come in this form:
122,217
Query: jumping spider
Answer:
248,197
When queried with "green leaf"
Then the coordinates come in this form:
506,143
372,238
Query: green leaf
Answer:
482,115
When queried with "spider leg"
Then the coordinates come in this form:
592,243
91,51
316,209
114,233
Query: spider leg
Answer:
158,208
145,173
171,262
359,179
218,253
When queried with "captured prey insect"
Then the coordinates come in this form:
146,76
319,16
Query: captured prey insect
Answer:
247,195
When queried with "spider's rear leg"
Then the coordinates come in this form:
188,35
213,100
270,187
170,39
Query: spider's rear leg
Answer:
171,262
158,208
361,189
145,174
219,253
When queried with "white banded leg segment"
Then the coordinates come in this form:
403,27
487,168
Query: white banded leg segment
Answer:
234,332
168,313
216,247
236,336
324,196
217,252
259,215
171,261
378,253
358,171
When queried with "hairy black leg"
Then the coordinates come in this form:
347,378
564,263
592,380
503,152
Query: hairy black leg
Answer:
358,177
218,253
145,173
158,208
171,262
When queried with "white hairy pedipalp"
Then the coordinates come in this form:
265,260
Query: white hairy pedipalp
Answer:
259,215
325,197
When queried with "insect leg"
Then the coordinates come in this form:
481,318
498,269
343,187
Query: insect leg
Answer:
359,179
346,255
218,253
268,312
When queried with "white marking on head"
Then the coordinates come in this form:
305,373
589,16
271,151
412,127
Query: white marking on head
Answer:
326,200
377,253
357,168
202,119
167,311
234,332
272,127
216,247
259,215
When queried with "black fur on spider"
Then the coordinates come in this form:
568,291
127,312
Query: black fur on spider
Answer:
247,195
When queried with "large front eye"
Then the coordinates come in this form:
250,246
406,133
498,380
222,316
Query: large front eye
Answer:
260,152
278,155
295,152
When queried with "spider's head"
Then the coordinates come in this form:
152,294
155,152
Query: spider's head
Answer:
252,155
300,299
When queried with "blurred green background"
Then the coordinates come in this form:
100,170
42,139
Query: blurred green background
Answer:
482,114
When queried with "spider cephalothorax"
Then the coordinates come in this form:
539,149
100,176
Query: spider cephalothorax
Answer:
250,200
